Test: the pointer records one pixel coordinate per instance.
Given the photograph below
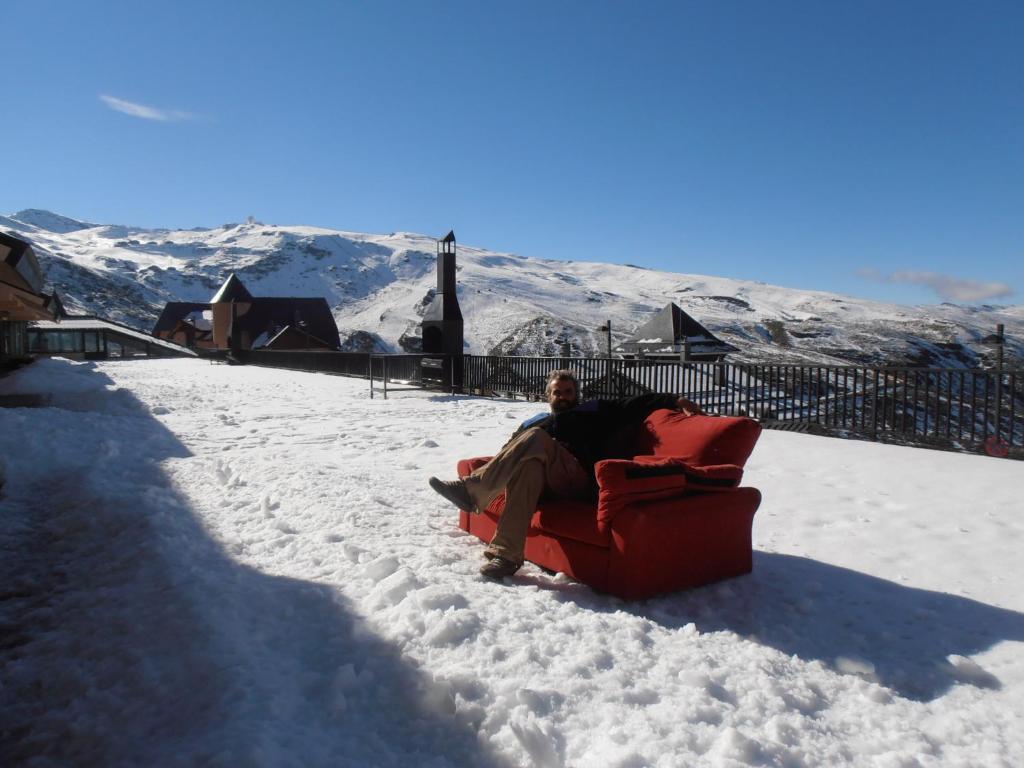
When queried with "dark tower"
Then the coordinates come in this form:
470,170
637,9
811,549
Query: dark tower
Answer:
442,322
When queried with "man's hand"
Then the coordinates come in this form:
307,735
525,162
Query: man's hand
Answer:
688,407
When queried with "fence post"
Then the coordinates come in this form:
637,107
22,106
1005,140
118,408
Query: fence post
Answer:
999,381
369,372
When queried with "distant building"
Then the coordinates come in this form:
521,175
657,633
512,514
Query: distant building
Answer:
673,334
186,323
21,297
235,318
84,337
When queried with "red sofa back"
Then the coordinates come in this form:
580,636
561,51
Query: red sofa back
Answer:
699,440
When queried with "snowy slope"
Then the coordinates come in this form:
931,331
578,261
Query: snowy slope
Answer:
379,284
246,567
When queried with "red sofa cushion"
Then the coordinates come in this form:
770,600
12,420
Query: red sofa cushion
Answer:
700,441
571,519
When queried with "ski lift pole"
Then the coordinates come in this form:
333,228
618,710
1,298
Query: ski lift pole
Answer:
1000,339
607,327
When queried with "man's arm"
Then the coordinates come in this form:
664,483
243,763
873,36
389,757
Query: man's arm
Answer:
688,407
643,405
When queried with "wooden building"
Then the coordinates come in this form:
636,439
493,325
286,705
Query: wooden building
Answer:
21,298
235,319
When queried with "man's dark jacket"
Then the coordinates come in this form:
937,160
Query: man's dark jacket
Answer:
600,429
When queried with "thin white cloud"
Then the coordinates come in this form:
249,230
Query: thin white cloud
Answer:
947,287
141,110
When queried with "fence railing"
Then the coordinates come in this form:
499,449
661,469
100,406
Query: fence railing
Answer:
390,372
963,408
344,363
960,407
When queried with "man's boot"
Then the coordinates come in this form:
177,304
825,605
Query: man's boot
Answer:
498,568
455,491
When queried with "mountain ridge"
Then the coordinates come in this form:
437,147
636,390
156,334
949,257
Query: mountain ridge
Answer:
378,285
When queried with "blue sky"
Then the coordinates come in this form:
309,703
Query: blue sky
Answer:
870,148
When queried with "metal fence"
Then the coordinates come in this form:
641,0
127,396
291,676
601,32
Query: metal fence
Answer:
389,372
957,408
343,363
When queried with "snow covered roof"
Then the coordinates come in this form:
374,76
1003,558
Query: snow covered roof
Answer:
232,290
97,324
672,326
269,312
176,311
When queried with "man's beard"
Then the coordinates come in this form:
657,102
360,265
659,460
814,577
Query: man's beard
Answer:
560,406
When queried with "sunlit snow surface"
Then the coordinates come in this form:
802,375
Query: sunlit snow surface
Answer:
214,565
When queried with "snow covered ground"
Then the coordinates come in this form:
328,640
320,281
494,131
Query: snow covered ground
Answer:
213,565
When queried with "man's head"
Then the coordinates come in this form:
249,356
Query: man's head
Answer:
563,390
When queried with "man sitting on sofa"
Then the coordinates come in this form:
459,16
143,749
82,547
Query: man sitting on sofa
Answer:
553,455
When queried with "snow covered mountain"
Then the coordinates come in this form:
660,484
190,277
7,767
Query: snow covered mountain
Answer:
379,286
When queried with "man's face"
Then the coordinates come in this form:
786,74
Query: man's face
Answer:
562,395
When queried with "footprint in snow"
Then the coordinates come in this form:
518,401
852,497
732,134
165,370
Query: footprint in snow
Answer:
283,527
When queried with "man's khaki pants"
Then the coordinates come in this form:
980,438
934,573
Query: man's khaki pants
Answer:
530,465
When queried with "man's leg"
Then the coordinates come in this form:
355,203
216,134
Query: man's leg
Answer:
476,491
521,496
527,466
488,482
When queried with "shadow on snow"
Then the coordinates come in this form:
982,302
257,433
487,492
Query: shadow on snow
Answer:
131,638
898,636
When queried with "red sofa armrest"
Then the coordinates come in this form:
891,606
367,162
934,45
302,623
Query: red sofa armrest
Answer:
713,478
466,466
675,544
622,483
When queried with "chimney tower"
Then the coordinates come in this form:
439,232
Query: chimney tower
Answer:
442,325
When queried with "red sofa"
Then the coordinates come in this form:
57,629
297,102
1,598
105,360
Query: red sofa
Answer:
671,518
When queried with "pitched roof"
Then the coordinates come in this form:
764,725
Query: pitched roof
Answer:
269,314
19,256
232,290
290,337
672,326
55,305
91,323
450,237
174,312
